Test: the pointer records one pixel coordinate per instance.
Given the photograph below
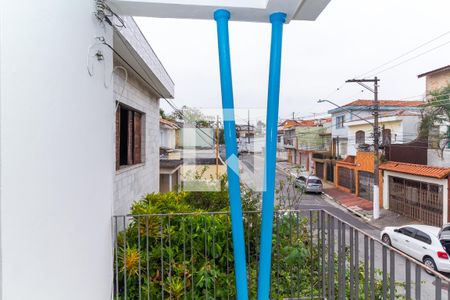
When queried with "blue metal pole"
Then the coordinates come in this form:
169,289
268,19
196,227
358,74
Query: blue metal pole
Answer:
277,20
222,17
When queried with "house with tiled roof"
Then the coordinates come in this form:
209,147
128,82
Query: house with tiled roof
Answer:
396,127
420,192
352,139
303,137
358,113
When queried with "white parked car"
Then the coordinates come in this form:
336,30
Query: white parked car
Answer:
428,244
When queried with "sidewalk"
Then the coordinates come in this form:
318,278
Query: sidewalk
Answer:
363,208
352,203
356,205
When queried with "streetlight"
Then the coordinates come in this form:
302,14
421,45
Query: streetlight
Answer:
376,190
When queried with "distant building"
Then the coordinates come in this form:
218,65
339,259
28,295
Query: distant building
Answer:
170,159
245,130
436,80
343,141
396,127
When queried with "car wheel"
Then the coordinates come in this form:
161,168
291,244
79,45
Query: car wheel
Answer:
386,239
429,262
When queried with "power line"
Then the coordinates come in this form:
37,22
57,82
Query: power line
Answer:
396,58
404,54
414,57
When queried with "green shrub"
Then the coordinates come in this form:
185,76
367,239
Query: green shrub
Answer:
191,255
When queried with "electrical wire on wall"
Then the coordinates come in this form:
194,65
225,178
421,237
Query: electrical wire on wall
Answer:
100,40
124,84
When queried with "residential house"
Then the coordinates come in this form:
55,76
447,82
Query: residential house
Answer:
354,174
436,79
245,130
418,191
398,121
63,85
170,158
137,128
438,154
312,136
396,127
343,141
287,139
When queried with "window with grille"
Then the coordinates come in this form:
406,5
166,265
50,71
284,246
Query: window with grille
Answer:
360,137
387,137
128,136
340,121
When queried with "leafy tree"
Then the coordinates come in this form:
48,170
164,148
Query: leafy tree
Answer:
190,115
436,114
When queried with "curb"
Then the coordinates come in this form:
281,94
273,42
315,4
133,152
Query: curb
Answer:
331,199
349,209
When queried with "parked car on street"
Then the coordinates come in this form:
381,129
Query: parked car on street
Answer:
310,184
428,244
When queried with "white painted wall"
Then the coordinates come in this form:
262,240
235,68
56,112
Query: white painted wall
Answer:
435,158
168,137
133,182
410,129
404,129
197,137
342,131
57,159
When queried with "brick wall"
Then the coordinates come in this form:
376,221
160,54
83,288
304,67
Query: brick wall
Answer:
131,183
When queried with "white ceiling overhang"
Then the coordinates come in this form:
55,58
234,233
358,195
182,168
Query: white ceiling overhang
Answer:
241,10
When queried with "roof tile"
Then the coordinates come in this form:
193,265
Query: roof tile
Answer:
402,103
415,169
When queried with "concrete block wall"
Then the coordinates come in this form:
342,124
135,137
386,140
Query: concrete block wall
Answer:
132,182
437,81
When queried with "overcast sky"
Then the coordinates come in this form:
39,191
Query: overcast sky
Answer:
349,38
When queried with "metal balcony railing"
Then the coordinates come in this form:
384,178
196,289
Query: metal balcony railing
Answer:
315,256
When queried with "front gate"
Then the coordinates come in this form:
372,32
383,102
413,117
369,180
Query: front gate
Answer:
319,169
346,178
365,185
418,200
330,171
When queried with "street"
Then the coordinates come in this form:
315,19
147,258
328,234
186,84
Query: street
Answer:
315,201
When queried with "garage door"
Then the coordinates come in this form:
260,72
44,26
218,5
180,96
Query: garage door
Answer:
330,171
319,169
346,178
418,200
365,185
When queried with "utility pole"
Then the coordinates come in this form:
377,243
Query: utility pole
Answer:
293,116
248,127
337,147
376,188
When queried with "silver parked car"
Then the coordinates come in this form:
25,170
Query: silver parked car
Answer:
310,184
